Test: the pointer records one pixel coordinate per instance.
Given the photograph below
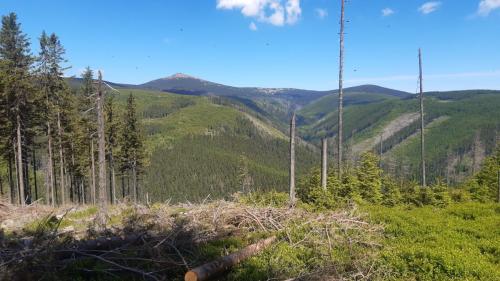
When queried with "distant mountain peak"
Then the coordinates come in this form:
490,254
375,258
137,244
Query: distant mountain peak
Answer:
180,76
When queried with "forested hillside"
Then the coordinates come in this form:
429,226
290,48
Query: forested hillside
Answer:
205,146
461,130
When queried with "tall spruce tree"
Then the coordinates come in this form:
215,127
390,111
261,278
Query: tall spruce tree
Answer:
53,87
131,152
111,131
16,66
88,122
101,147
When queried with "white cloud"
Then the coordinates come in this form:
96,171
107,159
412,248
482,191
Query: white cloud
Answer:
275,12
253,26
429,7
293,11
321,13
487,6
387,12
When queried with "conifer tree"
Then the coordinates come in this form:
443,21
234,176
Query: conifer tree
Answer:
369,176
441,194
488,176
131,146
101,217
244,178
53,87
17,61
111,131
391,194
88,121
350,187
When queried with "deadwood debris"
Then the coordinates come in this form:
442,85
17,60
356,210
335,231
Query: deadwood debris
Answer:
163,242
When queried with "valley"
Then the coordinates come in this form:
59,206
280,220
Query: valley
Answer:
202,115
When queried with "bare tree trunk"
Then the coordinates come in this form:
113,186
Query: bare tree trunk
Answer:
101,154
324,162
128,183
50,168
112,178
92,172
20,161
292,159
123,185
422,125
34,174
341,92
134,181
74,189
26,175
11,182
16,166
82,188
61,159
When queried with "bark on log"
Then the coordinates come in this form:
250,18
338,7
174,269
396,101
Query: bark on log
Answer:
209,270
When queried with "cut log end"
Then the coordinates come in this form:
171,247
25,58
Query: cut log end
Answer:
211,269
191,276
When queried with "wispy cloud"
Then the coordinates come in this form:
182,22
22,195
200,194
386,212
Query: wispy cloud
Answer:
487,6
253,26
321,13
495,73
387,12
429,7
275,12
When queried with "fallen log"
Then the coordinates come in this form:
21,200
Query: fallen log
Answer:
99,244
220,265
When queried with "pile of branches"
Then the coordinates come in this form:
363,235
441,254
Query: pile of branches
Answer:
163,242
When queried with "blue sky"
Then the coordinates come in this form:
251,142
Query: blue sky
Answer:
275,43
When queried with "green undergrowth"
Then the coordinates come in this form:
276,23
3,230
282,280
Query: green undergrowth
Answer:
459,242
404,242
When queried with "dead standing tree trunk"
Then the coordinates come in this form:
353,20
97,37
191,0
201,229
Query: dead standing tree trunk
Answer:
341,93
292,159
422,124
92,171
50,169
102,215
61,158
324,162
22,198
